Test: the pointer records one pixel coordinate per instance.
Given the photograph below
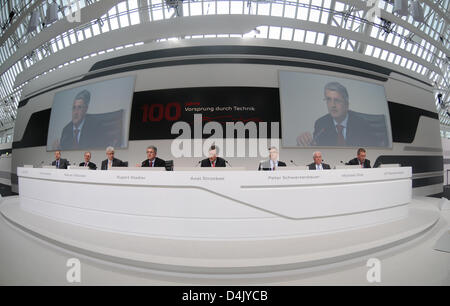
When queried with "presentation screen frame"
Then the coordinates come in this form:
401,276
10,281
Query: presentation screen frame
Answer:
319,109
105,123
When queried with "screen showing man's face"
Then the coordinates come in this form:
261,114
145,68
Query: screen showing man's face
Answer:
79,110
315,109
337,106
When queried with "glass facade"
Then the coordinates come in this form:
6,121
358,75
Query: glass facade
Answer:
420,47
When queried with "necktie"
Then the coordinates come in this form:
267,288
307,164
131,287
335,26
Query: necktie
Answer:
214,164
151,163
340,135
86,164
75,137
109,164
57,164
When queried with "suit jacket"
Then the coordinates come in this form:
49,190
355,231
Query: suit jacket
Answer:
91,165
220,162
91,136
116,163
358,132
324,166
265,165
355,161
63,163
158,163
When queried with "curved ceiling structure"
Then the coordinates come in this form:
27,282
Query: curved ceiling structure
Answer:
370,28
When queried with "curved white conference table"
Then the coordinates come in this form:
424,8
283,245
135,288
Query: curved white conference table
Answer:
218,204
220,224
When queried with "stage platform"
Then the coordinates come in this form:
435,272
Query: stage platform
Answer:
242,227
268,261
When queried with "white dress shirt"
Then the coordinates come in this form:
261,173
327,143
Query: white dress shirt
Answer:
273,164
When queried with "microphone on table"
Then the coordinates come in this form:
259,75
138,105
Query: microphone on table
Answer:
198,163
292,162
228,163
38,165
341,162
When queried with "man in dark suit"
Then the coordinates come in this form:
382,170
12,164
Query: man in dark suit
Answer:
213,160
360,159
110,161
340,127
152,160
317,164
273,163
60,163
87,162
83,131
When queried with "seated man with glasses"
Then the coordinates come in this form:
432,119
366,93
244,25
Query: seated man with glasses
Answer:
340,127
152,160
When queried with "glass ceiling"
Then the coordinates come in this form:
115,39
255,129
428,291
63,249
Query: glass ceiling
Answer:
350,15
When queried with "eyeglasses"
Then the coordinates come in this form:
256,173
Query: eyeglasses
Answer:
329,100
78,107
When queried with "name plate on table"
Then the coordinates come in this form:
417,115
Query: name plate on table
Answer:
210,168
348,167
139,168
292,168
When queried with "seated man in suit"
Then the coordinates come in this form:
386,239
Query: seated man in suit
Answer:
152,160
60,163
360,159
213,160
273,163
110,162
317,164
341,126
87,162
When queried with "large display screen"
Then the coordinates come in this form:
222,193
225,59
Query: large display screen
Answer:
93,116
326,111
